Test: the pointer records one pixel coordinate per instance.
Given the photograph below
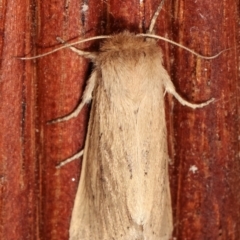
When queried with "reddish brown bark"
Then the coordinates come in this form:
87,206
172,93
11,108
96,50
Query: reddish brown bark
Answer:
18,181
206,202
36,198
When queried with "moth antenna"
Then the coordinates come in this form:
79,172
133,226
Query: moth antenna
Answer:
66,46
181,46
154,18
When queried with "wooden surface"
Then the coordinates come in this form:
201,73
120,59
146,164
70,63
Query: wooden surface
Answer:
36,198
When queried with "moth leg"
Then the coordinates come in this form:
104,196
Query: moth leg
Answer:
154,18
169,87
86,98
85,54
70,159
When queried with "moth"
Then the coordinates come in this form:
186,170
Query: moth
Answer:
123,193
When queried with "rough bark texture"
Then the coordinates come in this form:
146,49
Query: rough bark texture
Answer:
206,201
18,175
36,199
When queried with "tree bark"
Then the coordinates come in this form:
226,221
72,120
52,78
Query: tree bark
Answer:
206,201
18,175
36,198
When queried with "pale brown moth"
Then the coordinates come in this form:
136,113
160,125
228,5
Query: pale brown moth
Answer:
123,192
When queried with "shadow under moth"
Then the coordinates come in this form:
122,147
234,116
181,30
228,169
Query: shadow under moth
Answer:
123,193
